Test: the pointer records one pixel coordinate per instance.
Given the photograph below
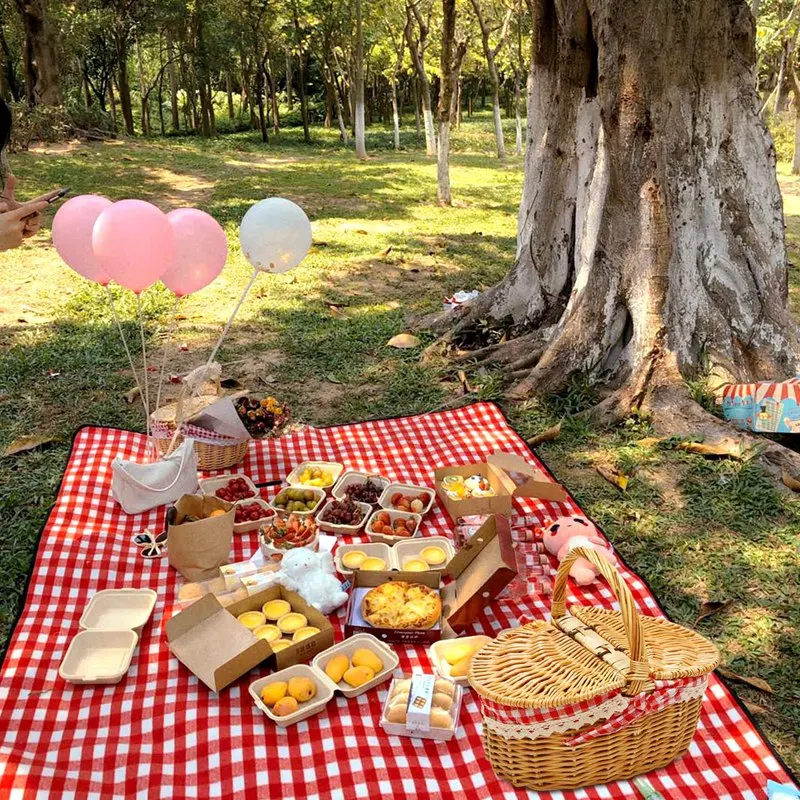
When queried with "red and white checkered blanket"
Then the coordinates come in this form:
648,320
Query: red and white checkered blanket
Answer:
160,733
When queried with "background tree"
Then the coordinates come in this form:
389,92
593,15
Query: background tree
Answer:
416,32
358,59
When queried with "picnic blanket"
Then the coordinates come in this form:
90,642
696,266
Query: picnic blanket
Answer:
161,733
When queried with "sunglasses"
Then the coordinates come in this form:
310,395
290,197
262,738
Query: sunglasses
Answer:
151,546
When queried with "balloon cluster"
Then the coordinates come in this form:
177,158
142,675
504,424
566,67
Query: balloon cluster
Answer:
135,244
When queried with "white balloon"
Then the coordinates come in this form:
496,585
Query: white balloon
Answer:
275,235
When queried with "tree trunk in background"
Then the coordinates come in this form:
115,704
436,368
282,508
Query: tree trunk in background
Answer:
41,58
88,100
229,93
417,123
173,84
112,101
417,49
445,110
9,74
517,115
273,93
781,79
650,238
289,96
142,90
395,115
123,82
358,89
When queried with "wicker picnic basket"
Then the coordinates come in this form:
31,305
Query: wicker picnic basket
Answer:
591,696
213,452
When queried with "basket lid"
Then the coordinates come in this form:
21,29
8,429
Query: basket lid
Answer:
673,651
538,666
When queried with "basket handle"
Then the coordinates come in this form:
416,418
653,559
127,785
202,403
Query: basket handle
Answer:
639,671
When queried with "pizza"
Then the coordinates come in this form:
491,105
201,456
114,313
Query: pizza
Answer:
398,604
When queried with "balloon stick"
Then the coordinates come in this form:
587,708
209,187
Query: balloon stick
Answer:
144,364
167,343
125,345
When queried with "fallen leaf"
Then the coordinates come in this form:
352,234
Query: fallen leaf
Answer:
269,379
404,341
614,476
335,311
710,608
462,377
362,232
546,435
4,396
321,244
649,441
332,379
22,320
755,709
413,269
788,480
230,383
131,395
756,683
729,448
25,443
385,252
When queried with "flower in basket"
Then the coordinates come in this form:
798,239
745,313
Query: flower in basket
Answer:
289,533
262,418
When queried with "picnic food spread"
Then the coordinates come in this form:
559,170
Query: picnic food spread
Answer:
301,661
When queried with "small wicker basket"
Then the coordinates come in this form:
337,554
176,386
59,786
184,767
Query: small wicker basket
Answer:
591,696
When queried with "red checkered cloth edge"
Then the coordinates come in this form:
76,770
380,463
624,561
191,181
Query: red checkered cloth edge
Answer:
161,733
163,430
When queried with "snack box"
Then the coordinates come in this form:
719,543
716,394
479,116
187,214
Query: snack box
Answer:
111,624
418,710
440,663
326,688
509,475
254,524
480,571
208,639
396,555
275,555
210,485
352,476
393,515
343,530
384,501
319,495
293,478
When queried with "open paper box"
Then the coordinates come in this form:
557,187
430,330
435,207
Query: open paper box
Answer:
509,475
218,649
480,571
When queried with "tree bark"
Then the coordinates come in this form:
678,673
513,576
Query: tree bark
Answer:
650,236
123,82
289,95
445,110
301,79
41,57
360,132
173,84
143,95
416,47
229,93
395,115
112,102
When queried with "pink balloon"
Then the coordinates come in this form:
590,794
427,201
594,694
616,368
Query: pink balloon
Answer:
201,250
72,235
134,243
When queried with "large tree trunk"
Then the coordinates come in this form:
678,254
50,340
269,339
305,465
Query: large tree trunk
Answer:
41,59
416,47
123,81
650,237
360,132
143,95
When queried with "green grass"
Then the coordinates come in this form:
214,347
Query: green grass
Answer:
696,530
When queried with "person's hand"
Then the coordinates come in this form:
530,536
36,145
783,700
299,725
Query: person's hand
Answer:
32,225
7,200
13,224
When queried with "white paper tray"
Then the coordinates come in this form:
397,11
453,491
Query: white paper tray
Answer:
393,515
353,476
406,488
98,656
119,610
293,478
210,485
440,663
343,530
439,734
396,555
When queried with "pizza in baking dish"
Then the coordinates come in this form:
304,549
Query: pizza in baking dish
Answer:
398,604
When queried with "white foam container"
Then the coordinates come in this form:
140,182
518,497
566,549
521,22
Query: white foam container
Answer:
393,515
210,486
246,527
437,650
335,469
343,530
348,647
98,656
438,734
405,488
276,554
351,476
119,610
325,686
282,512
377,549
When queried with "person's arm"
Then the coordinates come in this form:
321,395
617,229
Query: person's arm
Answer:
14,224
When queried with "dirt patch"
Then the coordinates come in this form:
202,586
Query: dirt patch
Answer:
180,189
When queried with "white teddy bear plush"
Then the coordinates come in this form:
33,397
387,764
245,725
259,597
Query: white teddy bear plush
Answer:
311,575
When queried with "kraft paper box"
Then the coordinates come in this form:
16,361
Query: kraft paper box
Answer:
509,475
199,548
480,571
209,640
765,407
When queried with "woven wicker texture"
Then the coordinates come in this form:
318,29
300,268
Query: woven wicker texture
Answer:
533,665
672,651
209,456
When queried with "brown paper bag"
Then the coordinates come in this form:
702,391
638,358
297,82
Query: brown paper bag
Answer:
198,549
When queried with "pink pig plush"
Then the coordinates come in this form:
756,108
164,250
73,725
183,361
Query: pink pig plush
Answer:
566,533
